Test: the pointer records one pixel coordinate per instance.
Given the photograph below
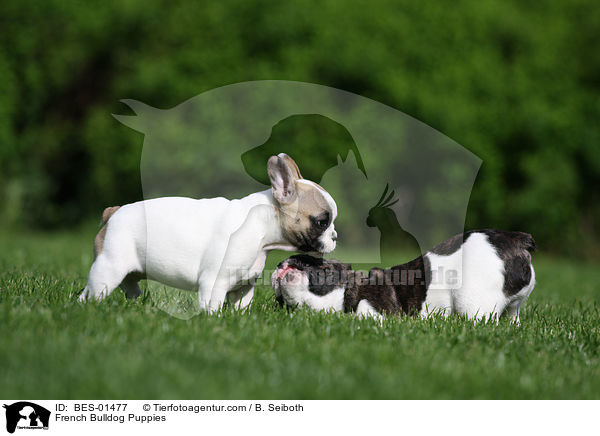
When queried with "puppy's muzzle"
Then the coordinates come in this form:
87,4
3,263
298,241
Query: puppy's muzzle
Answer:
287,274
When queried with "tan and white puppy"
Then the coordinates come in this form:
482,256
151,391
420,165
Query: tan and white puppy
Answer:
216,246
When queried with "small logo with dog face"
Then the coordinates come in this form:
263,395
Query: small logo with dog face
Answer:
26,415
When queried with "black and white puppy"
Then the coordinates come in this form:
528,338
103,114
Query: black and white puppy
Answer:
479,273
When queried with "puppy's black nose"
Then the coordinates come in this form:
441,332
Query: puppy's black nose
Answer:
334,236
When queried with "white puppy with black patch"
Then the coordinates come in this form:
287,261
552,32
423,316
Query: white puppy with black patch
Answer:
495,266
216,246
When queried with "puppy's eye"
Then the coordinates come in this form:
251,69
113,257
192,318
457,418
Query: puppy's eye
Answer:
322,221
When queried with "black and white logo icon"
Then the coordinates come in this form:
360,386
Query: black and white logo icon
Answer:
26,415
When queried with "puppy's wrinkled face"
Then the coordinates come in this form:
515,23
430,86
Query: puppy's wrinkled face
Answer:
308,223
300,276
306,211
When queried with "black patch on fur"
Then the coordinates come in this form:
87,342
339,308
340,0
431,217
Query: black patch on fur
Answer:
309,240
402,288
323,275
322,220
450,246
512,247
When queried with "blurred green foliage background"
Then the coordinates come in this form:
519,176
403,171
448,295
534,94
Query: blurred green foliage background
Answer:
517,83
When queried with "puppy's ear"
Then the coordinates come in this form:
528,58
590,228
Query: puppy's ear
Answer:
283,178
290,162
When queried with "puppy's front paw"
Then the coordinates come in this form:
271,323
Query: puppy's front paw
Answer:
83,297
88,295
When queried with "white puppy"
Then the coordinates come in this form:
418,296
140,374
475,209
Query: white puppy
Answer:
216,246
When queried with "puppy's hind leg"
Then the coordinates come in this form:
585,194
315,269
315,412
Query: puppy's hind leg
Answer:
513,309
485,313
512,312
365,310
104,277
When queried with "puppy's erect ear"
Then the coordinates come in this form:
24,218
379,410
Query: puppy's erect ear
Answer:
283,178
288,160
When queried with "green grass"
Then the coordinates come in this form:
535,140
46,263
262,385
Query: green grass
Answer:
51,346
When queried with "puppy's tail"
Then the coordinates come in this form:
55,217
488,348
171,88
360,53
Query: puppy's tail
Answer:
99,241
108,212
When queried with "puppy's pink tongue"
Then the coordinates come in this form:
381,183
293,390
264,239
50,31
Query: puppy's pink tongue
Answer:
284,271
